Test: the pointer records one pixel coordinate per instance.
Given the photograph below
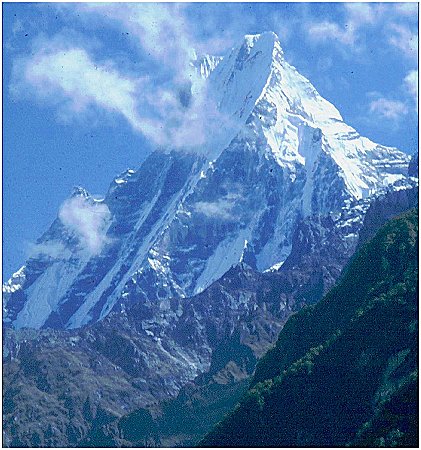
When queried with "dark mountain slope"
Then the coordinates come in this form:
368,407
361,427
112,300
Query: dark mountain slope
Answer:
344,371
156,348
223,331
385,207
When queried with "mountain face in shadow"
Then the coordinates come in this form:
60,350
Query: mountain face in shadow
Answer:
343,372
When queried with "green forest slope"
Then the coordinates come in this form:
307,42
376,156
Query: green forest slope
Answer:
345,371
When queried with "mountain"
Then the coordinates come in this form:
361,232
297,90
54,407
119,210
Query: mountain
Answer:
345,371
276,157
413,165
156,302
95,383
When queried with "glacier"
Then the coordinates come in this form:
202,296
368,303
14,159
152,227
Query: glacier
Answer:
276,153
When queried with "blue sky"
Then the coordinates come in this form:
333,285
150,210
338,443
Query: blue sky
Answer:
88,89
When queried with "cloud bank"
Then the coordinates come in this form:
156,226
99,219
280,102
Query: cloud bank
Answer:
220,209
411,84
170,106
160,30
72,74
52,249
360,18
88,220
224,207
390,109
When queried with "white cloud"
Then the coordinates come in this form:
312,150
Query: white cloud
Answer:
76,83
405,40
70,78
89,220
327,30
409,9
389,109
222,209
52,249
216,33
361,13
357,15
163,32
411,84
392,22
160,29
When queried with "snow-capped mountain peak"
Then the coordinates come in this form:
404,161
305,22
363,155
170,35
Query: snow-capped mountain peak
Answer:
276,152
79,191
206,64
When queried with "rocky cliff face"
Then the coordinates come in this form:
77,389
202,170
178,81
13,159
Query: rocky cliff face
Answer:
344,372
280,155
190,266
88,378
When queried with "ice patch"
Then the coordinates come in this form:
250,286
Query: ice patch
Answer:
45,294
16,281
275,267
227,254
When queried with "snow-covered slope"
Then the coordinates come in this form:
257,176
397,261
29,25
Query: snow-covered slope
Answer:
206,64
280,153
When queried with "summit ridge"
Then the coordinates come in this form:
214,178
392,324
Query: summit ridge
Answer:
279,153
